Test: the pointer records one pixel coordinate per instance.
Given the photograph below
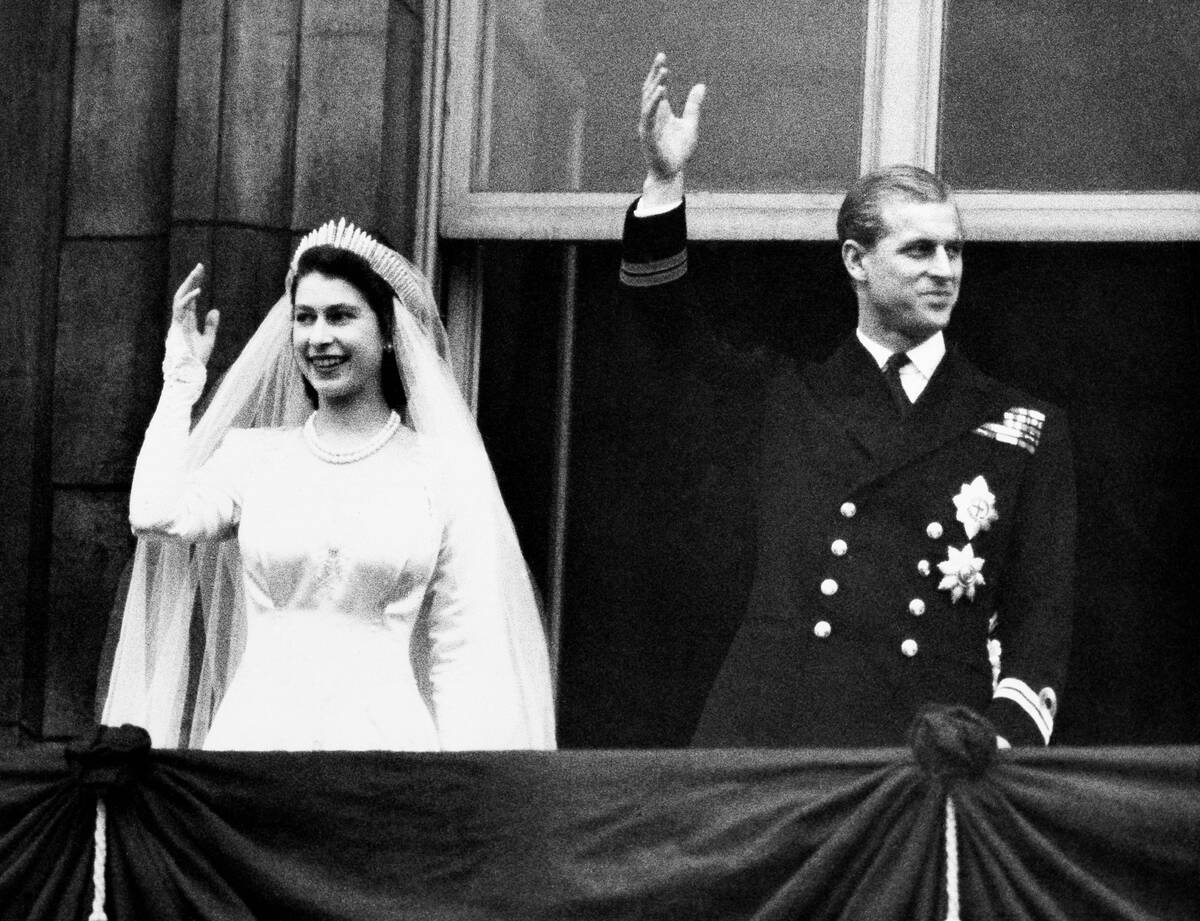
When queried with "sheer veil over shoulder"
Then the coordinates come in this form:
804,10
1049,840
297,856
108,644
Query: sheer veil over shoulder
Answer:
154,682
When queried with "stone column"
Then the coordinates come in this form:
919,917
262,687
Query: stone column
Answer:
35,81
200,130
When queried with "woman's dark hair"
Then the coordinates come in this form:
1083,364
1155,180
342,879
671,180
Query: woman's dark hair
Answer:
355,270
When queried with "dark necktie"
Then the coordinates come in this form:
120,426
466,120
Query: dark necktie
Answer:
891,375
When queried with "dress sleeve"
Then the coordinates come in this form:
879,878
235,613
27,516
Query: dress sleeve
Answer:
474,682
167,500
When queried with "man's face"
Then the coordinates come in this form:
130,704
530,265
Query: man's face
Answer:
908,282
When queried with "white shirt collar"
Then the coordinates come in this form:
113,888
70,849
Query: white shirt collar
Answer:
924,357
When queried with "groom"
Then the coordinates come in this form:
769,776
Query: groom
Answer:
916,518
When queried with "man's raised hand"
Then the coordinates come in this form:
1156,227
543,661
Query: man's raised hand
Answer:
668,140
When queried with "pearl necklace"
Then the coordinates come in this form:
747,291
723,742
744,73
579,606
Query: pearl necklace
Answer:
366,449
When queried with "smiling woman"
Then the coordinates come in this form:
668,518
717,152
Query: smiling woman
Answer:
358,574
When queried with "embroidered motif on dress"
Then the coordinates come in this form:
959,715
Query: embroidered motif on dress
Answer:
331,576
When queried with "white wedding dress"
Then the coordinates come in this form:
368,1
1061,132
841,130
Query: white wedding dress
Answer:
361,632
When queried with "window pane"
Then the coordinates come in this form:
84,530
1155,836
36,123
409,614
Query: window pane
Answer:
1049,96
562,83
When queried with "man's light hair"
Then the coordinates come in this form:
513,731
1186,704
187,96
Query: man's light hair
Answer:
861,216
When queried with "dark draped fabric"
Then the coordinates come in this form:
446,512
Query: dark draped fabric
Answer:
689,835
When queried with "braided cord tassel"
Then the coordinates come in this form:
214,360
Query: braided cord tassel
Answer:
98,863
951,862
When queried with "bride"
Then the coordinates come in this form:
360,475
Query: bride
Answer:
359,579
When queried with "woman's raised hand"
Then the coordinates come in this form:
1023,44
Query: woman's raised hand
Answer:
668,140
183,317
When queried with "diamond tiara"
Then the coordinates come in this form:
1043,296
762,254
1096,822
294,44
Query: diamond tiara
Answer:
410,286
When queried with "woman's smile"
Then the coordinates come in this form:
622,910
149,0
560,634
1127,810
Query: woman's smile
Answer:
326,363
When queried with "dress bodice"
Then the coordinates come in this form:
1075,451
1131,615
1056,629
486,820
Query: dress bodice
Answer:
337,565
358,539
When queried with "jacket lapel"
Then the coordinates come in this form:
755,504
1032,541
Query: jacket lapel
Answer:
853,403
956,400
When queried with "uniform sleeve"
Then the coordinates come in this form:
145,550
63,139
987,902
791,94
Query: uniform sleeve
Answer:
473,680
165,500
1037,596
654,248
657,307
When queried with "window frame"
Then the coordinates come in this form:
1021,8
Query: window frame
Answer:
900,122
901,105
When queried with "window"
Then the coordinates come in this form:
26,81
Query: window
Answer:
1057,125
1054,123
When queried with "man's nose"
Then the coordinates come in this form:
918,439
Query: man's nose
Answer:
942,265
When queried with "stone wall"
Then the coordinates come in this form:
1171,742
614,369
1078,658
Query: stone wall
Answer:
153,135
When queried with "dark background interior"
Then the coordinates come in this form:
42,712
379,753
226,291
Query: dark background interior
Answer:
665,424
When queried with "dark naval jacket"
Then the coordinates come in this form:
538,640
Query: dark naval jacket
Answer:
899,561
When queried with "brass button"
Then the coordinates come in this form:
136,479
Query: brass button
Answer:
849,509
916,607
1049,701
923,567
829,587
934,530
909,648
839,547
822,629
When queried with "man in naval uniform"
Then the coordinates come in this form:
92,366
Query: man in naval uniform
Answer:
915,518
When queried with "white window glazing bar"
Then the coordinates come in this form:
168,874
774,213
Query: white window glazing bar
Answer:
902,82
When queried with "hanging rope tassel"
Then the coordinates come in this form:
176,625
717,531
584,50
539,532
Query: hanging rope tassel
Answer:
951,862
951,742
98,863
110,761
